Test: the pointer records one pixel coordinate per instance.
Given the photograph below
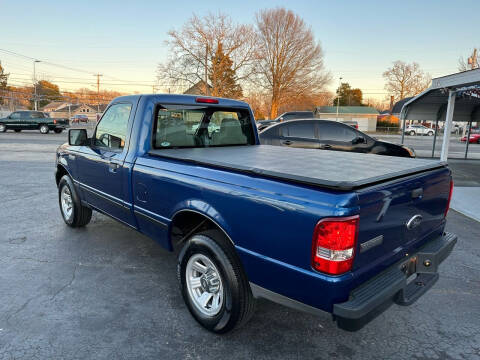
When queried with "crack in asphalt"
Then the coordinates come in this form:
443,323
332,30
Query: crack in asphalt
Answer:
67,284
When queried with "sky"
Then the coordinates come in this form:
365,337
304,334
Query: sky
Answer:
125,40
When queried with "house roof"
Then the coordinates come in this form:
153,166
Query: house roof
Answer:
55,104
346,110
198,88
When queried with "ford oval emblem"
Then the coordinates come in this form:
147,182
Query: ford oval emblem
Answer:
415,221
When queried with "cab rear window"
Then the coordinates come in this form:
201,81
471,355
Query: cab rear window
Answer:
199,126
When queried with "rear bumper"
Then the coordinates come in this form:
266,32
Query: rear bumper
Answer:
391,285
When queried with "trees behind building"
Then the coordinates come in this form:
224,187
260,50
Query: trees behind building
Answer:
404,80
278,59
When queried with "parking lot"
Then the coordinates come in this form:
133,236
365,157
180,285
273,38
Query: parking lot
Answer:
107,292
423,145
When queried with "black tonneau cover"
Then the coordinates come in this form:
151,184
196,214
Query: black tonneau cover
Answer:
333,169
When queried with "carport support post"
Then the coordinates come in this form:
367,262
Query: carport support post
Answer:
435,137
403,120
448,125
468,137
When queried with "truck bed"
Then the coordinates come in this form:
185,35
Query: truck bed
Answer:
332,169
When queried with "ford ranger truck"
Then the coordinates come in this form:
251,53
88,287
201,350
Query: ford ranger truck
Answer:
316,230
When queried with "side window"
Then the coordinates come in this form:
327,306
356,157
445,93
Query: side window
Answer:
336,132
35,115
15,115
112,129
300,130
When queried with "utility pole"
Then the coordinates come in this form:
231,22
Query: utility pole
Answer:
98,91
35,85
338,97
206,70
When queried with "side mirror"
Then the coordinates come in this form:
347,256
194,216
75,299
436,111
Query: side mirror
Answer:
77,137
359,140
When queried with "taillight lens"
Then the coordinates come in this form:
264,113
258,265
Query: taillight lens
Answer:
334,241
449,198
54,121
206,100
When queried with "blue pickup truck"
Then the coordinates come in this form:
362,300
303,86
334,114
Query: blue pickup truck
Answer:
316,230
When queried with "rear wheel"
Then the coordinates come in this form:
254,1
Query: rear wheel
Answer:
412,132
17,130
73,212
430,133
44,129
3,128
58,131
213,284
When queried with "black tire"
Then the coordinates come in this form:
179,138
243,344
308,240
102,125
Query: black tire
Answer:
238,302
17,130
81,215
3,127
478,141
412,132
430,133
57,131
44,129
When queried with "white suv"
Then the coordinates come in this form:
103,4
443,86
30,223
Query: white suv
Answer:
418,130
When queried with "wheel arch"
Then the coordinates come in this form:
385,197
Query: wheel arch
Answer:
61,171
189,220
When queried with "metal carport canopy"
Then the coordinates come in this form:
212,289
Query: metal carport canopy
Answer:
452,97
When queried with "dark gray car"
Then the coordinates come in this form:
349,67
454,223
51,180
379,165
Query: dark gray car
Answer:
328,135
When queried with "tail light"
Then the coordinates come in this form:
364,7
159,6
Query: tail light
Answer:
55,121
206,100
334,241
449,198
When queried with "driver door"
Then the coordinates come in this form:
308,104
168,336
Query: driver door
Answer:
101,168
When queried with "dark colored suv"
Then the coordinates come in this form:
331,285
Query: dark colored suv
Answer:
32,120
328,135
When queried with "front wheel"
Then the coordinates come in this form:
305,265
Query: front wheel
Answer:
58,131
73,212
44,129
430,133
17,130
412,132
3,128
213,284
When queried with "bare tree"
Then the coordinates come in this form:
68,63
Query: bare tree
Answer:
194,46
403,80
291,61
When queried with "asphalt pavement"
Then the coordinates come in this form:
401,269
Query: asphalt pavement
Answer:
108,292
423,145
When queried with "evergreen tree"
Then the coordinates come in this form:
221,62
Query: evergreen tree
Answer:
222,77
3,78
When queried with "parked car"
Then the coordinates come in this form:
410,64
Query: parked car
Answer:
353,124
263,124
329,135
32,120
292,115
316,230
474,138
419,130
78,118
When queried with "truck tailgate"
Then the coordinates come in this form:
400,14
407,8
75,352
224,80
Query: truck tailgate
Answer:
398,217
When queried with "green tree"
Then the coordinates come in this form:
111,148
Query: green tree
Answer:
222,76
3,78
47,92
346,96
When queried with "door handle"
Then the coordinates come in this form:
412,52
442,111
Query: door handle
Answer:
326,146
287,142
113,166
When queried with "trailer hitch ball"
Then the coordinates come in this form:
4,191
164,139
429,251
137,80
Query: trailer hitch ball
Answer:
427,263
